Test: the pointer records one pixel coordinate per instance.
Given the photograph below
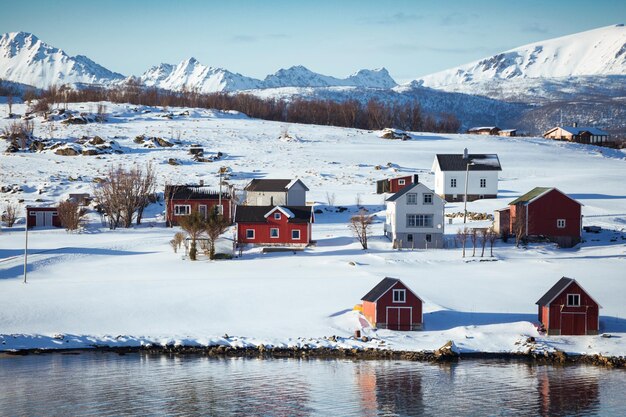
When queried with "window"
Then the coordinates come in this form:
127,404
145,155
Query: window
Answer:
409,237
419,220
273,232
295,235
428,198
249,233
219,209
411,198
452,182
429,238
560,223
276,216
399,296
483,183
401,182
573,300
182,210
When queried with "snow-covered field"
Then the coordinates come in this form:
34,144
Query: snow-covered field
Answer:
127,287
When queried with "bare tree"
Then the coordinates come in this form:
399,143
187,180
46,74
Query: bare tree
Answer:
146,189
484,236
215,226
492,236
361,225
473,237
358,201
71,215
10,104
195,225
330,197
101,113
179,238
462,236
519,224
10,214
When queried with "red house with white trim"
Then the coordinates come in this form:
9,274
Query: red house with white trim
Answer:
568,310
393,185
274,225
181,200
549,213
392,305
42,216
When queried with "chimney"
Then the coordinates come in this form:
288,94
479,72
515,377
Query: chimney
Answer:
415,179
201,183
575,124
465,154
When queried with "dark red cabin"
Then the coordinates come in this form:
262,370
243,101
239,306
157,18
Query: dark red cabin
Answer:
393,185
549,213
392,305
568,310
181,200
42,217
274,225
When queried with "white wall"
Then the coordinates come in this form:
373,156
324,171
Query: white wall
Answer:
399,210
443,181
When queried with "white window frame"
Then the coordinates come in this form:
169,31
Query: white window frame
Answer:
295,231
560,223
575,297
219,209
177,211
483,183
401,182
277,233
399,296
430,196
409,198
248,231
429,238
452,182
421,220
277,216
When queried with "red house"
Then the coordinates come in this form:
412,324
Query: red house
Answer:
274,225
393,185
42,217
549,213
568,310
392,305
181,200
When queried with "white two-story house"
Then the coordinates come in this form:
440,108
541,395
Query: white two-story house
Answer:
480,171
415,218
276,192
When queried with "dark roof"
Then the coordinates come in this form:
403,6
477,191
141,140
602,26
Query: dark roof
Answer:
535,192
553,292
382,287
402,192
481,162
273,185
192,192
256,214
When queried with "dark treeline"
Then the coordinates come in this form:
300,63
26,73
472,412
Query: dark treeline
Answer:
373,115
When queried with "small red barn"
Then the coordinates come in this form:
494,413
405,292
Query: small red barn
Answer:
181,200
393,185
547,212
42,217
392,305
568,310
274,225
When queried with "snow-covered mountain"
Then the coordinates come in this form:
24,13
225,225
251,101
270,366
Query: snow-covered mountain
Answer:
598,53
192,75
26,59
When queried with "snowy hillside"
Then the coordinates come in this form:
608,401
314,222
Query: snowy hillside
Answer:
286,299
596,52
27,60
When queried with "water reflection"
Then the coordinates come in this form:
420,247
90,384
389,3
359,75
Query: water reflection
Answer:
96,384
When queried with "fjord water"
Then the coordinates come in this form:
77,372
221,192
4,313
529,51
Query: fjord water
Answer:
99,384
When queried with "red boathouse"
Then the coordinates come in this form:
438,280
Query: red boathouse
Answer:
392,305
393,185
568,310
42,217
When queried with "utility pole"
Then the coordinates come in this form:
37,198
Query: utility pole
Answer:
465,195
26,248
219,198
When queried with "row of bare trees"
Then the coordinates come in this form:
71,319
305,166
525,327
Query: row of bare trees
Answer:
123,194
477,236
197,227
373,114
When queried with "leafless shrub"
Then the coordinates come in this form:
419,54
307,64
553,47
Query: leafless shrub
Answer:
71,215
215,226
519,224
101,113
10,214
19,133
484,236
361,225
330,197
473,235
195,225
40,106
462,236
492,236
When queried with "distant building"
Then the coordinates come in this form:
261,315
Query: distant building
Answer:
508,132
482,176
392,305
568,310
276,192
274,225
393,185
484,130
415,218
181,200
577,134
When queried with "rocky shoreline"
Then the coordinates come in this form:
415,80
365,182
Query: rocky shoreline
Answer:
444,354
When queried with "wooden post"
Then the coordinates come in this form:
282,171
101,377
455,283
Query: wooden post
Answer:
26,248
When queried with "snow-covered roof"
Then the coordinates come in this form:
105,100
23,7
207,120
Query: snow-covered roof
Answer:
283,210
478,162
579,130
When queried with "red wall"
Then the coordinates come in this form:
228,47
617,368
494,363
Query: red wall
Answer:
194,207
394,186
262,232
387,301
587,305
544,212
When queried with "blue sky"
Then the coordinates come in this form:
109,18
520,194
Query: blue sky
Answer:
255,38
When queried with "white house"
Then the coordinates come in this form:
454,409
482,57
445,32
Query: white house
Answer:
480,170
415,218
273,192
